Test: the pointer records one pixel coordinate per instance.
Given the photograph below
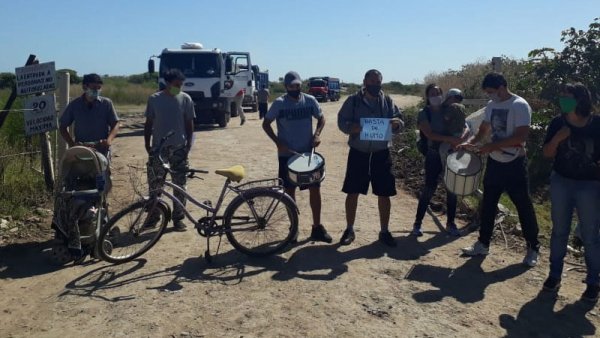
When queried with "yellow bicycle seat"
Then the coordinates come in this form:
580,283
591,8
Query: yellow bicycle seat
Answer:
235,173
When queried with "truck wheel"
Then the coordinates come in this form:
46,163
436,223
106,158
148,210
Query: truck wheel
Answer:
233,110
223,119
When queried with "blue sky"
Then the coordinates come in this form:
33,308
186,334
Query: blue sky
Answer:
405,40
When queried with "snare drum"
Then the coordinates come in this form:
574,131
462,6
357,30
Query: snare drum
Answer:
301,173
463,172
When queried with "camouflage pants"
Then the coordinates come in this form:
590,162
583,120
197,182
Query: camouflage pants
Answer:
178,160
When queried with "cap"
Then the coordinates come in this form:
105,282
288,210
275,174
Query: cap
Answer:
92,78
454,92
292,78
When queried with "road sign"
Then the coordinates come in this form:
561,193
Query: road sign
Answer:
36,78
40,114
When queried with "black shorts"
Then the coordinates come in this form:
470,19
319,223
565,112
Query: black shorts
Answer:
365,168
283,174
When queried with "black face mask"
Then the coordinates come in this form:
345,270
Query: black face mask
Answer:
294,93
373,89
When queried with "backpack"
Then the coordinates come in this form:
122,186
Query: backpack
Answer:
422,142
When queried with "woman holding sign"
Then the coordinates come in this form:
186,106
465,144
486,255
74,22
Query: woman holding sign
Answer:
433,122
369,117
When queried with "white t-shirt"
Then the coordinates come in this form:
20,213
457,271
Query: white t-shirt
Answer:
504,118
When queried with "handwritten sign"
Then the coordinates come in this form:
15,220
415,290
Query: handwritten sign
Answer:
40,115
36,78
375,129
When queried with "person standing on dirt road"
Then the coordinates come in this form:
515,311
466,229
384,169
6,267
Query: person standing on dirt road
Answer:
170,110
506,168
294,112
239,100
573,142
368,161
263,101
441,123
94,116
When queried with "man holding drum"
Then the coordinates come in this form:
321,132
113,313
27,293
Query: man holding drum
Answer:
293,113
369,158
507,118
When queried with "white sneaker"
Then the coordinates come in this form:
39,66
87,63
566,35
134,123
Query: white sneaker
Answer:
531,258
477,249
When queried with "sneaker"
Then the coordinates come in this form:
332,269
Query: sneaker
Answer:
452,230
531,258
243,121
347,237
477,249
319,234
386,238
551,284
591,293
178,225
416,231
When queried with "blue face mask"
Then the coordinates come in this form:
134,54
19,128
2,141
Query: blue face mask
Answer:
92,94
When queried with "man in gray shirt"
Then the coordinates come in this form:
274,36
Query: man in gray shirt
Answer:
170,110
368,161
293,113
94,116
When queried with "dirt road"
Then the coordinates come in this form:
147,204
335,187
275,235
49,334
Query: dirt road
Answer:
422,288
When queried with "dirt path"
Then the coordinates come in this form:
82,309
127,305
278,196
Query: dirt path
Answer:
422,288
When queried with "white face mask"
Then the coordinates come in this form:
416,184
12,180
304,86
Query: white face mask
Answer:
436,100
494,97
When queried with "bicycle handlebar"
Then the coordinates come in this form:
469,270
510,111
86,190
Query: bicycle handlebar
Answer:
158,153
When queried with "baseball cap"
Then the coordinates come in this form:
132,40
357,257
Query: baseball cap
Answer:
292,78
454,92
92,78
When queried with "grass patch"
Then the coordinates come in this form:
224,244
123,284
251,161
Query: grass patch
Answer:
22,186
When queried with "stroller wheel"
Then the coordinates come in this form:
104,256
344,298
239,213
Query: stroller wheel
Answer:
60,255
107,246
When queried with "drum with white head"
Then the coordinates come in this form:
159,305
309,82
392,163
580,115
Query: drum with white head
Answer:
306,168
463,172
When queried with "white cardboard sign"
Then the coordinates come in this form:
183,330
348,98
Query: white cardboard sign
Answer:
375,129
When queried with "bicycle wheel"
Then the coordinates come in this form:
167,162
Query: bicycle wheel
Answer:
132,231
261,222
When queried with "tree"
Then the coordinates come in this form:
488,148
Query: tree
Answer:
73,77
578,61
7,80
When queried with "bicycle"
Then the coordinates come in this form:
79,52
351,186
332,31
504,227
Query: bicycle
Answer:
261,220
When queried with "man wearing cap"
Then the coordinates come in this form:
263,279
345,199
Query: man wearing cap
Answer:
294,112
369,161
94,116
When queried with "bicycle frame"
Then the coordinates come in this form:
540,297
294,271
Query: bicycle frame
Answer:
212,210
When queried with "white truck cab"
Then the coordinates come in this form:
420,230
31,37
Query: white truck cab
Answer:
213,78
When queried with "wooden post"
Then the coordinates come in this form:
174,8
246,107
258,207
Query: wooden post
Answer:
62,101
497,64
47,166
13,95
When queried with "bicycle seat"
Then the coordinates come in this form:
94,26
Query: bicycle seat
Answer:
235,173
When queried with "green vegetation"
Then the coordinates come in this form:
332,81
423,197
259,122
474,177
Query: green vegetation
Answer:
21,184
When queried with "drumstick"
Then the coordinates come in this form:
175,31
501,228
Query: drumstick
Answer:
311,155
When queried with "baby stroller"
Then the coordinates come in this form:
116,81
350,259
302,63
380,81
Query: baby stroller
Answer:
79,204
